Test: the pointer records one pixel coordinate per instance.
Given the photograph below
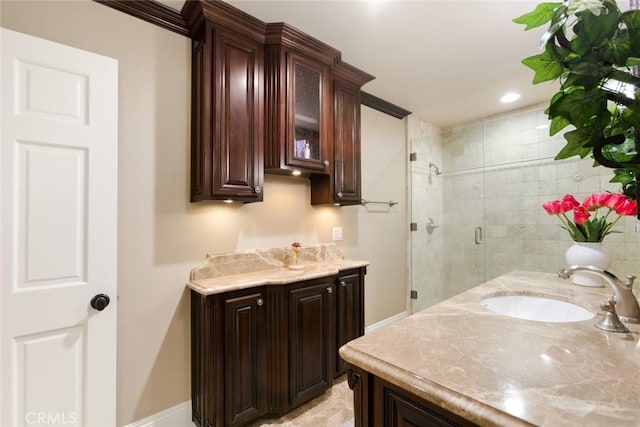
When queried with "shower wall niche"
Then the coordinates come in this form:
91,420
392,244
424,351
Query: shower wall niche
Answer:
487,203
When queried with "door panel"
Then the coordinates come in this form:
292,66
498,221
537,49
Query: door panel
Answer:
349,316
58,174
33,355
311,341
52,186
51,93
245,358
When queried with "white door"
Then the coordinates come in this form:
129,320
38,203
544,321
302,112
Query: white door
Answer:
58,186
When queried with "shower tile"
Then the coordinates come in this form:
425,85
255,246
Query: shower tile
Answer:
548,148
518,233
548,172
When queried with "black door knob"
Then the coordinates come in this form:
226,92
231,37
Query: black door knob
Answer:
100,301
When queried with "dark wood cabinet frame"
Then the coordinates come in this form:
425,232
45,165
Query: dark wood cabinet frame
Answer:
243,106
380,403
165,17
263,351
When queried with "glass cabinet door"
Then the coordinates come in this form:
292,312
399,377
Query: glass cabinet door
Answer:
306,121
306,141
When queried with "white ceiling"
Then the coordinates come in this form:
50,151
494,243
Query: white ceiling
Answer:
448,62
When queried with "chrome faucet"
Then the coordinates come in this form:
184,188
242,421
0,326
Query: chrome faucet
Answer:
626,304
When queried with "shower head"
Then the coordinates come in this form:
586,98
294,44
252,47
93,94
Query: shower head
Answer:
436,169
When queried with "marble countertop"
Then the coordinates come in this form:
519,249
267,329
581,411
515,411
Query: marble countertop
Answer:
502,371
272,276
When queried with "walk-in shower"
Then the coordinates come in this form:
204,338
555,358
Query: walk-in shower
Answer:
499,172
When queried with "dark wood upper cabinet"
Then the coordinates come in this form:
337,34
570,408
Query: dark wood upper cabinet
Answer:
343,185
227,129
299,110
269,98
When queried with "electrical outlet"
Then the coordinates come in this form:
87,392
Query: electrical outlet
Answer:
337,234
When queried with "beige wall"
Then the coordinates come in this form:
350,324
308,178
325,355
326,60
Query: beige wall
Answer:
161,236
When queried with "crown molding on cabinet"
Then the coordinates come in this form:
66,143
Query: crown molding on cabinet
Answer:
169,19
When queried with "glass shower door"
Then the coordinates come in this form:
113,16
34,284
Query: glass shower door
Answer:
447,211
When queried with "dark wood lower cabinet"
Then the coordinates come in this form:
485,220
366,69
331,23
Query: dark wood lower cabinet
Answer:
263,351
382,404
311,340
245,358
350,312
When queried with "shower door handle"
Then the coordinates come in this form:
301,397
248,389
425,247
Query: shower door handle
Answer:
478,235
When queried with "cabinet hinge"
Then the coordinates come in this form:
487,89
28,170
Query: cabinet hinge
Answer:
414,294
413,157
413,226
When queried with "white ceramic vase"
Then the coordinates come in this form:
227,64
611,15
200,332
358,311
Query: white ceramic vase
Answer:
588,253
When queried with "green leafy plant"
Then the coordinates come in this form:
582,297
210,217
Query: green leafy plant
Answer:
592,48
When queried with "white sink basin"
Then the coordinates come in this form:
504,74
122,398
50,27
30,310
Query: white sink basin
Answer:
540,309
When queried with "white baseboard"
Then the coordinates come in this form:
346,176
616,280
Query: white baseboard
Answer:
385,322
176,416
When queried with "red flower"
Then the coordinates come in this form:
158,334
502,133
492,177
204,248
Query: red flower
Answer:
556,207
627,207
599,200
615,200
296,245
584,227
553,207
580,215
569,202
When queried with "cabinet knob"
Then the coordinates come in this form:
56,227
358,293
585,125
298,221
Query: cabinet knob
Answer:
329,290
260,302
339,195
326,163
258,189
343,283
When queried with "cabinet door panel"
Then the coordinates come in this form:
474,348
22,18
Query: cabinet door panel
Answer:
238,127
227,135
245,359
394,407
311,341
347,143
307,121
348,322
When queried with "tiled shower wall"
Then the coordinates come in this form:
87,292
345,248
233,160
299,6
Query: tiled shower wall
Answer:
497,174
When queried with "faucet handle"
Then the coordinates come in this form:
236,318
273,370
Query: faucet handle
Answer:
610,321
630,279
609,305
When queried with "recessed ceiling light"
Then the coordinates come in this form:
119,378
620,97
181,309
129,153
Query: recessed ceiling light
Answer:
228,201
296,173
510,97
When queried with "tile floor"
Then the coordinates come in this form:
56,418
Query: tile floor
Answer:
334,408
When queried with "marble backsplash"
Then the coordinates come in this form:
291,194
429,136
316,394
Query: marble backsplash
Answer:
227,263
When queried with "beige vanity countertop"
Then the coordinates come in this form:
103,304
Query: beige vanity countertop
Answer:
498,370
273,276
